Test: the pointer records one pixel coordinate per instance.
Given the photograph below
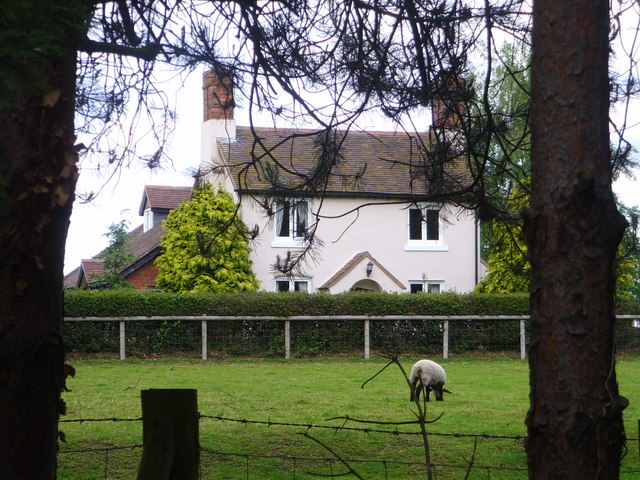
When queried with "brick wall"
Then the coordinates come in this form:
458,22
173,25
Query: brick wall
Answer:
144,277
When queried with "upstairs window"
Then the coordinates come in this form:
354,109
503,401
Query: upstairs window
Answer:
424,223
292,219
424,228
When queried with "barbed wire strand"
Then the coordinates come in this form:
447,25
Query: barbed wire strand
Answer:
113,419
309,426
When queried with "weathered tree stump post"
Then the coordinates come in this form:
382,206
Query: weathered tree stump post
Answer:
170,431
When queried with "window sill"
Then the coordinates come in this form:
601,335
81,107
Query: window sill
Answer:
423,247
287,243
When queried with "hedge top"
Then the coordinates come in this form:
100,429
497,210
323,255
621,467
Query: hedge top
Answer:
122,303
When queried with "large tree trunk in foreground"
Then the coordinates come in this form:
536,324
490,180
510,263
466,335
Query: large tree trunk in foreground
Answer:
575,424
37,180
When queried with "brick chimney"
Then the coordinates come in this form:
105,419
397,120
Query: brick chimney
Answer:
448,106
217,89
218,126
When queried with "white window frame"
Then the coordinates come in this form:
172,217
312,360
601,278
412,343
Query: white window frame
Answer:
294,208
148,220
427,286
424,243
293,282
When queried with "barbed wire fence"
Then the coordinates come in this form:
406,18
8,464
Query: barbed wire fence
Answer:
293,466
288,337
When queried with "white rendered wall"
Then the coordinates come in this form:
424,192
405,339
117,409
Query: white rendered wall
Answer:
382,231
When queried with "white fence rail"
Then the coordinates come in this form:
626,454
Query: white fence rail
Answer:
443,323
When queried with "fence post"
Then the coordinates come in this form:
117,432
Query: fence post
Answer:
287,339
445,340
171,449
523,341
367,344
123,341
204,339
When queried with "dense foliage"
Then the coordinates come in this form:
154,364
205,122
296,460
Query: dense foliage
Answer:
205,248
81,303
507,177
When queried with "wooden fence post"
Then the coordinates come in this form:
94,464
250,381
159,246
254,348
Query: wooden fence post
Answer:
171,448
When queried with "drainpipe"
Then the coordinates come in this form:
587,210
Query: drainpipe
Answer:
477,250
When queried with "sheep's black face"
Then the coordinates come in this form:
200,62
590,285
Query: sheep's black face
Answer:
438,392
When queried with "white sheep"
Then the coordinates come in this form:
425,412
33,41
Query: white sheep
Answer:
429,375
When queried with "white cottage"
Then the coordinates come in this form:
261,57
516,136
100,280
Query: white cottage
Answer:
372,231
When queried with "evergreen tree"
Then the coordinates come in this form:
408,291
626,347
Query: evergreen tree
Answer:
506,177
206,247
628,260
115,257
509,266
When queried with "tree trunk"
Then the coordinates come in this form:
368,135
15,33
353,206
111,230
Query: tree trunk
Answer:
37,181
574,423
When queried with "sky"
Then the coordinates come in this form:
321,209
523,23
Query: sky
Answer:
120,198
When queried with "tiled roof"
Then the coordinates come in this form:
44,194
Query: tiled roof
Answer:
357,258
158,197
141,243
70,279
379,164
91,268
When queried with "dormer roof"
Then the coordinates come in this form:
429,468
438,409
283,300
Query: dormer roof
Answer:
160,198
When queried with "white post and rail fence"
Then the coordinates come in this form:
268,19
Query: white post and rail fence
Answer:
443,324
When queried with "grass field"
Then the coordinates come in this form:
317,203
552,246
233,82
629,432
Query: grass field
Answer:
490,396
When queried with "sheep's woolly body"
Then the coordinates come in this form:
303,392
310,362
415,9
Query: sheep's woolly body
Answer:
429,375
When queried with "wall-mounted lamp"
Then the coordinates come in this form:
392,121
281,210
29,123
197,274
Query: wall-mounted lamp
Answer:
369,268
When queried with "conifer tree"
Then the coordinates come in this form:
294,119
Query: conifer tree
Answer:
205,247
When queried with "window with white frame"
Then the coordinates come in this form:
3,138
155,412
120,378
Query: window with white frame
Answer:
292,285
148,220
292,219
424,227
428,287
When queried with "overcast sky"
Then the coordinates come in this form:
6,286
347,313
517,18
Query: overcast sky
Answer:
120,198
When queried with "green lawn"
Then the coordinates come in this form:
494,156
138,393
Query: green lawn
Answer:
490,396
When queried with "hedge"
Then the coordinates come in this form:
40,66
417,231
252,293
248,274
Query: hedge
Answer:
117,303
